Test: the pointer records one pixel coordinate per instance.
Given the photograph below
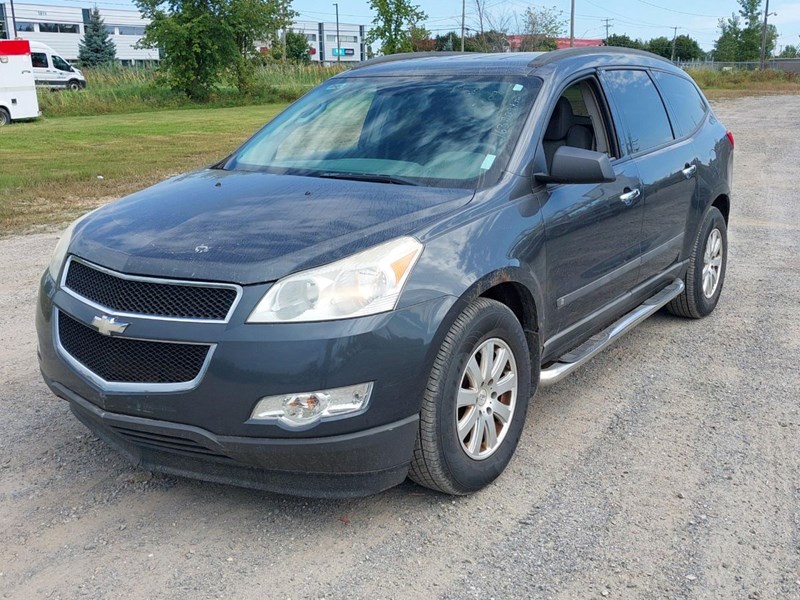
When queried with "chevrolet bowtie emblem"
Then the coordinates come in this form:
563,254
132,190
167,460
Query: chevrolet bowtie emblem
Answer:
109,325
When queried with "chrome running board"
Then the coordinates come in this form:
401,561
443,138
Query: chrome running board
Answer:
578,356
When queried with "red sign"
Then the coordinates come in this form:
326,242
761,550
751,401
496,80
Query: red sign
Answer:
14,47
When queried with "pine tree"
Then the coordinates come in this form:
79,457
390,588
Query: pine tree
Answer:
97,48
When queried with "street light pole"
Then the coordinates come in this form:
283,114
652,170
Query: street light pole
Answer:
463,17
338,46
572,24
13,22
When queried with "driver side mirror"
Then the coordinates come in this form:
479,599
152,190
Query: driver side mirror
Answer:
576,165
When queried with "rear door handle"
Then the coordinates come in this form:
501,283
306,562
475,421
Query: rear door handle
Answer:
689,171
630,195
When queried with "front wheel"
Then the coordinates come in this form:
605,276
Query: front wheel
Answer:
73,85
706,272
474,406
5,118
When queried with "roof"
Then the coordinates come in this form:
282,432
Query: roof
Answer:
510,63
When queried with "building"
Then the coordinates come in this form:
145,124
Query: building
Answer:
515,42
62,28
322,39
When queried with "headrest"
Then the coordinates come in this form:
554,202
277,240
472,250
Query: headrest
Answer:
560,122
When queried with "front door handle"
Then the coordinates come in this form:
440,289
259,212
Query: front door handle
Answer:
630,195
689,171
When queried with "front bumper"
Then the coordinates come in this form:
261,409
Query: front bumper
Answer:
356,464
206,432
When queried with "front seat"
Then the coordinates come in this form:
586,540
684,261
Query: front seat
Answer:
564,131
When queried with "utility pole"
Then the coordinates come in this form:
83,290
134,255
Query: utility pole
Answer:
463,18
674,39
572,24
608,26
338,47
764,38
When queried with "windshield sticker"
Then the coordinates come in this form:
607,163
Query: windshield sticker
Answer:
517,88
488,162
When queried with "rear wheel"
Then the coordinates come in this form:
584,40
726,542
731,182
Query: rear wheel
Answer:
475,403
74,85
706,272
5,118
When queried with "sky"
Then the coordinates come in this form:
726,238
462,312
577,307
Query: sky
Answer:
643,19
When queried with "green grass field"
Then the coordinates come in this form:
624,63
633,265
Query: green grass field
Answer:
51,166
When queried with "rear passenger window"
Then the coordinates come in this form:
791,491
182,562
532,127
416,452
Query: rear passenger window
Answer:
642,109
687,104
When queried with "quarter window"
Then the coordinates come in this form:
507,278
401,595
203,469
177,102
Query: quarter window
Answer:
687,104
641,108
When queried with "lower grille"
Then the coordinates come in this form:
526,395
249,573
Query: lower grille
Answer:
124,360
165,442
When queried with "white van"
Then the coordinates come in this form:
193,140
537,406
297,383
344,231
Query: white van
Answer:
52,71
17,88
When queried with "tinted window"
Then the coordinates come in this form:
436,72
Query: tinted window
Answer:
641,108
23,26
687,104
48,27
39,59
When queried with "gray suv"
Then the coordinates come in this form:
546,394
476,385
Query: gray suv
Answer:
375,284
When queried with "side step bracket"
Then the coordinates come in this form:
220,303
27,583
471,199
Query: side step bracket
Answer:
576,357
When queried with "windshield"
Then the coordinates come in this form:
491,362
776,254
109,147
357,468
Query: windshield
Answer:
411,130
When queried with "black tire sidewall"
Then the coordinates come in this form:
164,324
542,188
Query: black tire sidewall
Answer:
5,118
73,86
713,220
469,474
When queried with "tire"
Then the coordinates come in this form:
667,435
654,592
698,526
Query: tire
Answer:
442,460
695,302
5,118
73,85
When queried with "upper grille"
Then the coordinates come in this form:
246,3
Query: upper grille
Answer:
148,297
124,360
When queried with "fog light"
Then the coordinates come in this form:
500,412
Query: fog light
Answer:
308,408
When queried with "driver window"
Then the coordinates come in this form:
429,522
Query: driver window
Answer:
577,121
60,64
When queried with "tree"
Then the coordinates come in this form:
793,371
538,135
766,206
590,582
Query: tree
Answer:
661,46
203,40
252,21
623,41
687,48
488,41
542,26
420,39
96,48
741,35
393,23
789,52
297,48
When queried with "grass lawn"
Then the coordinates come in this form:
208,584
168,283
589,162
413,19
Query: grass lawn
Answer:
51,166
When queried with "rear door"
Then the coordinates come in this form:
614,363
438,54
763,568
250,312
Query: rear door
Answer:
666,167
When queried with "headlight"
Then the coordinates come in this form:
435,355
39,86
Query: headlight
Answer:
366,283
62,246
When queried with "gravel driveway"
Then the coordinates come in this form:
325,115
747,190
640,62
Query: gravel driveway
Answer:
668,467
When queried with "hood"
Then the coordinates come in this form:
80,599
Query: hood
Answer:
246,227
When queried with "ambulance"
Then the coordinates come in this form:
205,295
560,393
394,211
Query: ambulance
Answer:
17,85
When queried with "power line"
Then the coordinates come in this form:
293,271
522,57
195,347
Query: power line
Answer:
680,12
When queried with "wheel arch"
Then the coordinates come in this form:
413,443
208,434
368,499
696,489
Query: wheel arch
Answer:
723,204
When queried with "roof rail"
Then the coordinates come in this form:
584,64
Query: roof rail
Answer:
554,55
403,56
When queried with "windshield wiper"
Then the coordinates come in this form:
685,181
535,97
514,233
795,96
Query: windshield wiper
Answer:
375,177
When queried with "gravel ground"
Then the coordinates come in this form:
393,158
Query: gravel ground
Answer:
668,467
